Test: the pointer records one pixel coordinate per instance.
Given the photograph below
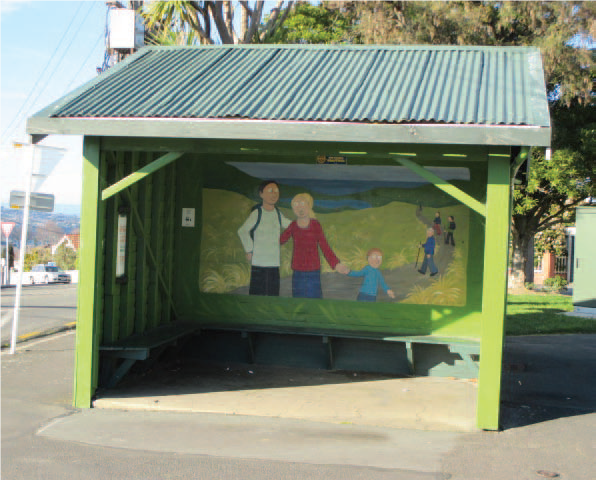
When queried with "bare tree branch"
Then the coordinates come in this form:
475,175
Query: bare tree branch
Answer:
255,20
557,217
194,22
197,6
216,9
228,12
273,22
246,7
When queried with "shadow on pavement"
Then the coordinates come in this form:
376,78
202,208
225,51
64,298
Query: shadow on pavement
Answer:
546,378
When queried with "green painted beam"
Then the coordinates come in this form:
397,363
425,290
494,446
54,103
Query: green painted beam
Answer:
494,292
156,235
286,148
87,343
444,185
111,313
142,208
234,129
131,258
521,158
142,173
170,228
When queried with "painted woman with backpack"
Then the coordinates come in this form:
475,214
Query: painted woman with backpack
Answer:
308,237
260,238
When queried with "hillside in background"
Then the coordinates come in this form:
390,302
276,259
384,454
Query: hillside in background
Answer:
44,228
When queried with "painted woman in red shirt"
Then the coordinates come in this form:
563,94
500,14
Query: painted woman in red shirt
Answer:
308,237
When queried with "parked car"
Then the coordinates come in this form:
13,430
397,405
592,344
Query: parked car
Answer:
48,274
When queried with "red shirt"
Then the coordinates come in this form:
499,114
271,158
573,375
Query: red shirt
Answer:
306,242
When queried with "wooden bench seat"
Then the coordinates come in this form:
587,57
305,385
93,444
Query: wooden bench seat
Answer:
139,347
465,347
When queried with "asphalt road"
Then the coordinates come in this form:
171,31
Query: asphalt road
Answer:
43,307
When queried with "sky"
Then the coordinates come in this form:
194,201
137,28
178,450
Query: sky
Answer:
47,49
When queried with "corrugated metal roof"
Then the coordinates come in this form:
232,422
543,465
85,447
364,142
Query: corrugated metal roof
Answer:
384,84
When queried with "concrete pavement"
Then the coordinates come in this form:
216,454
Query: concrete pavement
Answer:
548,415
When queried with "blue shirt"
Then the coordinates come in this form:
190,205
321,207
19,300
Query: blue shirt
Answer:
372,278
429,246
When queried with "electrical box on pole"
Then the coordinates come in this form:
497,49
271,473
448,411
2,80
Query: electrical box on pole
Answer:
127,30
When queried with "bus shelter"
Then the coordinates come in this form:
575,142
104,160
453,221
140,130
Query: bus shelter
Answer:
354,198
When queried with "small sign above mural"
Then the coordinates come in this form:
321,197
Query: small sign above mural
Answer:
332,160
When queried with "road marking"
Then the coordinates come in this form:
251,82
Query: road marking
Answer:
42,340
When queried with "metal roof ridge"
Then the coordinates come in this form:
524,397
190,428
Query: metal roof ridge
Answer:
343,46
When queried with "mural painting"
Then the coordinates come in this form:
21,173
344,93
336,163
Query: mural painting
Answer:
355,233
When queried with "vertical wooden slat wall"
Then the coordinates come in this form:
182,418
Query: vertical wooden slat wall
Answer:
131,286
111,289
140,303
169,228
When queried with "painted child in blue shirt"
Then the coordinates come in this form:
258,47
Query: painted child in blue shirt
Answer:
372,277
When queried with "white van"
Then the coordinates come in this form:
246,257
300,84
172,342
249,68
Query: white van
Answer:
49,273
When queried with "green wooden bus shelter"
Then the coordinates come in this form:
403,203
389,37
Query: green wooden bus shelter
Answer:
178,139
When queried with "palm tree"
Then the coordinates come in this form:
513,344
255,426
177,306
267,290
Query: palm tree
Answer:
182,22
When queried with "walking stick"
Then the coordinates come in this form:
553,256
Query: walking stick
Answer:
417,255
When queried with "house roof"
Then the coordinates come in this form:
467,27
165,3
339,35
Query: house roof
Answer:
497,94
75,240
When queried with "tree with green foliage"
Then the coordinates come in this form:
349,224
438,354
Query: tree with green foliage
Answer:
313,24
36,256
31,259
66,258
554,186
544,205
182,22
10,256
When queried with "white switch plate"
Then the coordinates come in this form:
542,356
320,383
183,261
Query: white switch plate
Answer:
188,217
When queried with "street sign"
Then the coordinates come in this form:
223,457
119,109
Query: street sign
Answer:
7,228
42,202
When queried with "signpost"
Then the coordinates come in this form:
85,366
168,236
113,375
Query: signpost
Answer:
40,161
41,202
6,230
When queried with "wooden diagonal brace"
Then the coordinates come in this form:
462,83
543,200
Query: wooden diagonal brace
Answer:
444,185
142,173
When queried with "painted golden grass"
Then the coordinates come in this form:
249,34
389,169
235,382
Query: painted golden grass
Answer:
394,228
447,289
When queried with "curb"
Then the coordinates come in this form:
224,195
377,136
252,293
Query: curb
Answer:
44,333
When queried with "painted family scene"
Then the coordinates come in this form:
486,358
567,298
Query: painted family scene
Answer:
357,239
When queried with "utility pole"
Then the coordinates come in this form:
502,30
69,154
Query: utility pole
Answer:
124,32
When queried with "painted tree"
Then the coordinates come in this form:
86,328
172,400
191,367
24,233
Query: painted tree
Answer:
211,22
559,29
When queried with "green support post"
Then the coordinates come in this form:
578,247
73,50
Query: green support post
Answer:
87,341
494,296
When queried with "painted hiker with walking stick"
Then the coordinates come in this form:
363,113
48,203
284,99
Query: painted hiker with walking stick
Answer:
429,251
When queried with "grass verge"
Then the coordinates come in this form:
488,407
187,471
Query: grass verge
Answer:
542,314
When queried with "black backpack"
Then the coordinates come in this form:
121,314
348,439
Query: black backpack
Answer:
259,208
